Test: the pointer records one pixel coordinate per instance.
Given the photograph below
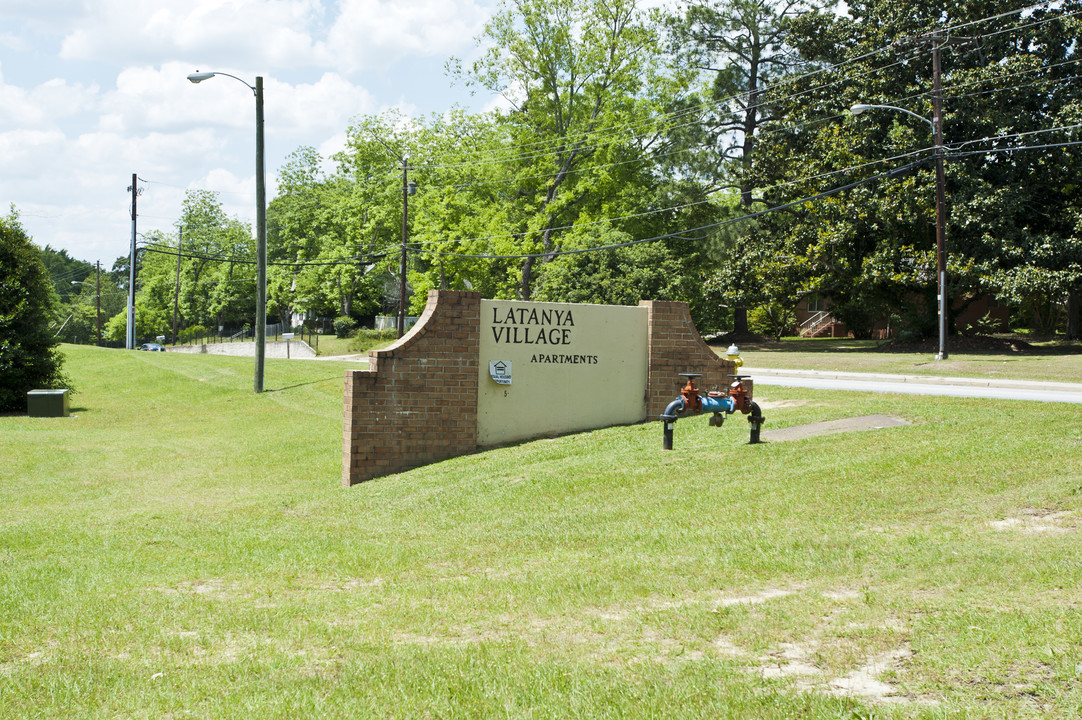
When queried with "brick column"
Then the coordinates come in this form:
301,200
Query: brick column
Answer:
674,347
417,401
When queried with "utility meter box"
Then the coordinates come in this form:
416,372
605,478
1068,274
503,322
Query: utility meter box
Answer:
47,403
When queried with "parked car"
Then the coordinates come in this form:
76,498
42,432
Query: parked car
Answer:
152,347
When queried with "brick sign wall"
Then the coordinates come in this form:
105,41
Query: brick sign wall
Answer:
432,395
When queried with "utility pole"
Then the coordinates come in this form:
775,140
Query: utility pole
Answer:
940,196
937,40
98,302
260,240
130,340
402,259
176,291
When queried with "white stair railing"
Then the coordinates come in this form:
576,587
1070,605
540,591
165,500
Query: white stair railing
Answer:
816,321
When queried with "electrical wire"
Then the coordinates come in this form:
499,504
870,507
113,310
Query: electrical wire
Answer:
619,133
712,226
166,250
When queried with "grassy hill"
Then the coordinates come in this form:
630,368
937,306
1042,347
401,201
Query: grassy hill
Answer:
182,547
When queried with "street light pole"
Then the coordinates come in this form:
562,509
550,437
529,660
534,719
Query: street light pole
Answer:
940,200
260,224
936,124
260,240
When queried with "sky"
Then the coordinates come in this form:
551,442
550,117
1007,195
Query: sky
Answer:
92,91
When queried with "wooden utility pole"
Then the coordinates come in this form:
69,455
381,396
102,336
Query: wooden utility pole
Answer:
130,339
176,291
98,302
940,196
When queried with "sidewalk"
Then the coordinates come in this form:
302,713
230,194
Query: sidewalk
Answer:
919,384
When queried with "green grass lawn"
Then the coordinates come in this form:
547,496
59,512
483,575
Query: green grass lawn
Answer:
1048,361
362,341
181,547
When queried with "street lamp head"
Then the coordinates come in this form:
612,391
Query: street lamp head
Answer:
858,108
198,77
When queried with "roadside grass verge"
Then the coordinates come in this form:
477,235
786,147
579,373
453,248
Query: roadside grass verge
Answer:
1053,362
362,341
183,547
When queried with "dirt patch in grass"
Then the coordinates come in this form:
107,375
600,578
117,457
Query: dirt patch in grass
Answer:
1040,521
830,427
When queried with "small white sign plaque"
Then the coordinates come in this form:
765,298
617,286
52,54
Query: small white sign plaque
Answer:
500,370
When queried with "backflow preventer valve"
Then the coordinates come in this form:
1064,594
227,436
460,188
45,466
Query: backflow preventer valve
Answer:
737,398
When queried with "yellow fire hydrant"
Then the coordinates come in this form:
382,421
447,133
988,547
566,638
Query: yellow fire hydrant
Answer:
733,356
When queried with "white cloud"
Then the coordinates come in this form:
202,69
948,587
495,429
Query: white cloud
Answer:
44,105
365,34
269,33
13,42
21,149
56,14
327,104
119,101
377,33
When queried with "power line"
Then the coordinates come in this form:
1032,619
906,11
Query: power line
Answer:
712,226
166,250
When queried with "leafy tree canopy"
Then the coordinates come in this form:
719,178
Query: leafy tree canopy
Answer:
29,356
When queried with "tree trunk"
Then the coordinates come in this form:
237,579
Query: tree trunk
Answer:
1072,314
740,320
527,279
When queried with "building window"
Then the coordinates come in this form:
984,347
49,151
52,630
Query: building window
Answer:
816,303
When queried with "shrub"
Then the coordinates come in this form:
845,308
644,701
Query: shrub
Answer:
344,326
366,340
29,356
773,319
195,332
986,325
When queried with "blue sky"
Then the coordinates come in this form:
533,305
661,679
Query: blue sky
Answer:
92,91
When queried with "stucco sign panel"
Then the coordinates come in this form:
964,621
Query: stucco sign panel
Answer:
575,367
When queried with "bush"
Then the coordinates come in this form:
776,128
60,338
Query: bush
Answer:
773,319
986,325
194,332
29,355
365,340
344,326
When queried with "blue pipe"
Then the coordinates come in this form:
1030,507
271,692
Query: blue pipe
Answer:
718,404
710,404
723,404
676,406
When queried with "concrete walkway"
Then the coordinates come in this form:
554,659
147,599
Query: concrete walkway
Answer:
358,357
995,388
292,349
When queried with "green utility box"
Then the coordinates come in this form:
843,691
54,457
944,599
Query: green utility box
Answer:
47,403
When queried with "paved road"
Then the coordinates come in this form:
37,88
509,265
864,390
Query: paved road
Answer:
920,385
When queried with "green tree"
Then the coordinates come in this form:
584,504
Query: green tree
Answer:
579,75
63,269
1012,207
82,308
216,271
29,354
738,48
464,192
325,231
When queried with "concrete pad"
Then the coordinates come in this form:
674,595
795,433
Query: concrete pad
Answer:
830,427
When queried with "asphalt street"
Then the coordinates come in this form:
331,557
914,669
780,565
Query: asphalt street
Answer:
920,385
